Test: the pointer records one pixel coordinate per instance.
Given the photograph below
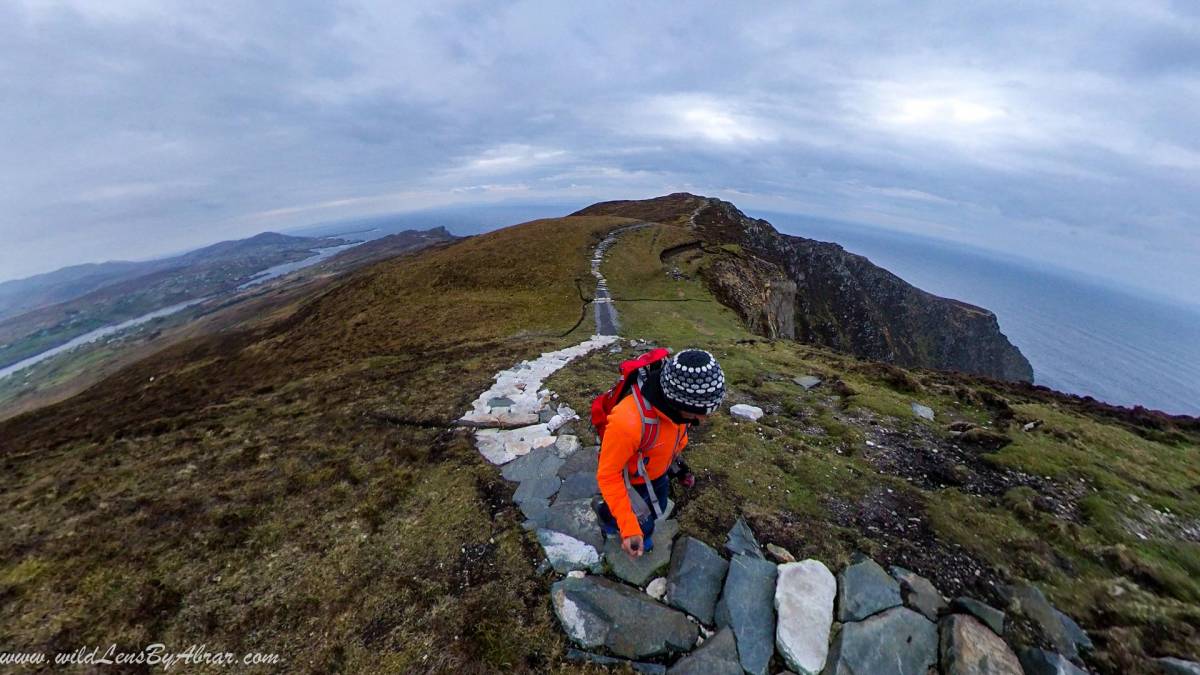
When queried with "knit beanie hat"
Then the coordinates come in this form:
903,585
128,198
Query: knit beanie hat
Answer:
692,380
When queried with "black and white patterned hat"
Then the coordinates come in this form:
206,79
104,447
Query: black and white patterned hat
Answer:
693,381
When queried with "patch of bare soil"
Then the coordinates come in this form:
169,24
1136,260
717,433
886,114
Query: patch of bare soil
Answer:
896,523
921,456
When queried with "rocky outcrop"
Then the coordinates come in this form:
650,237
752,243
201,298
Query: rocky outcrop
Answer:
841,300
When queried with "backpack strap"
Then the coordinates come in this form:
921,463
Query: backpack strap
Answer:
649,437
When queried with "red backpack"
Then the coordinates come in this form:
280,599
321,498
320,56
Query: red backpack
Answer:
603,404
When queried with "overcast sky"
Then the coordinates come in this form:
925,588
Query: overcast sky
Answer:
1064,132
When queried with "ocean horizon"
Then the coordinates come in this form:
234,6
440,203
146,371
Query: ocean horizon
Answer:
1082,337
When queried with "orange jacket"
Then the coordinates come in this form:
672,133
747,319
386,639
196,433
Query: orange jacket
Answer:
618,451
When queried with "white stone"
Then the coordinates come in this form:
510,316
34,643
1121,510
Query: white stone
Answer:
501,446
657,588
750,413
804,596
566,445
566,553
577,574
922,411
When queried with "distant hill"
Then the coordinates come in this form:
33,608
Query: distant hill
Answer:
817,292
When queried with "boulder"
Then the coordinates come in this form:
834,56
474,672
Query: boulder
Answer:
1173,666
804,596
639,571
741,541
747,606
576,518
1029,601
990,616
596,612
537,464
747,413
919,594
540,488
612,662
898,641
566,553
1042,662
780,554
717,656
807,381
580,485
922,411
970,648
864,588
695,579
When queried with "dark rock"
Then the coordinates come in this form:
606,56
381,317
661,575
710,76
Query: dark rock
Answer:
579,656
536,510
960,426
539,462
919,594
695,579
1172,666
1042,662
1075,633
596,612
747,606
988,441
639,571
1029,601
741,540
500,402
990,616
717,656
541,487
545,415
582,461
896,642
970,648
864,588
580,485
576,518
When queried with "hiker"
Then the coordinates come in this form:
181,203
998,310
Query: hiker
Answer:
643,423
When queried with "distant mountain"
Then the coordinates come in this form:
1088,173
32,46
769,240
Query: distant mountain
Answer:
62,305
817,292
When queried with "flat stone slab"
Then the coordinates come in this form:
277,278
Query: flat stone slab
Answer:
696,577
717,656
576,518
747,605
919,593
896,642
535,511
741,540
970,648
804,595
922,411
541,487
807,381
990,616
566,553
745,412
585,460
1042,662
609,661
864,588
639,571
501,446
597,612
540,462
580,485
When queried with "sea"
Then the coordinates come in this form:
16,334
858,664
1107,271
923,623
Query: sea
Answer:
1081,336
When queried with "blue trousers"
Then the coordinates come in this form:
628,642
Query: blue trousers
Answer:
662,490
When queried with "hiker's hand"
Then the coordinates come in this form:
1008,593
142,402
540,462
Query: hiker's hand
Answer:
632,546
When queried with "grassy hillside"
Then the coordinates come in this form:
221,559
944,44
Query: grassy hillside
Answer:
1103,516
294,488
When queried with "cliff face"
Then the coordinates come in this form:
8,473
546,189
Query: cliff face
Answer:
839,299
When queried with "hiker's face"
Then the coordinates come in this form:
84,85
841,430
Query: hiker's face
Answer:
692,418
